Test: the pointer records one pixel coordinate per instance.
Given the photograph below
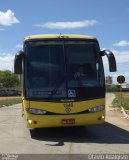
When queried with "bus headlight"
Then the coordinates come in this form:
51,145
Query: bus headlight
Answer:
96,109
36,111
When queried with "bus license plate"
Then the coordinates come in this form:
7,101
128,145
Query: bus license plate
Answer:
68,121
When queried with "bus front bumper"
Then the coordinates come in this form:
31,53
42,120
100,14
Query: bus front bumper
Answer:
43,121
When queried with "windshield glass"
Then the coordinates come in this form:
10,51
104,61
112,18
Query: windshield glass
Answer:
61,70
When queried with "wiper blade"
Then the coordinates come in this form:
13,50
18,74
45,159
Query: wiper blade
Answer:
54,91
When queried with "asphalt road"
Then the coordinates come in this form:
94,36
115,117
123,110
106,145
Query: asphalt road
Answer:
111,137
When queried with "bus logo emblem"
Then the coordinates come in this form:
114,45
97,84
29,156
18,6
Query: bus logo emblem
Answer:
68,107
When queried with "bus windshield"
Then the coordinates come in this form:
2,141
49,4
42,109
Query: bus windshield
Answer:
62,70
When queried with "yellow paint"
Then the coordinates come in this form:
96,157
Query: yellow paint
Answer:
55,120
55,36
59,107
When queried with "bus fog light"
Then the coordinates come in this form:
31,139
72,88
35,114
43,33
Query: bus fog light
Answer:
97,109
30,121
103,117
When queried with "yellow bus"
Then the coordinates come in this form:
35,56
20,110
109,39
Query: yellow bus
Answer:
63,80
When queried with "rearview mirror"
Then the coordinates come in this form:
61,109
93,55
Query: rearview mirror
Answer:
18,62
111,60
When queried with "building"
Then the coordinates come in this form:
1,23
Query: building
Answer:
125,86
108,80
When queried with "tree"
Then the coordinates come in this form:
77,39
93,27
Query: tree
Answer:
8,79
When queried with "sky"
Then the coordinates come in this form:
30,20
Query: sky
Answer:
108,20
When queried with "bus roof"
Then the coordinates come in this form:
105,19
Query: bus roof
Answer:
56,36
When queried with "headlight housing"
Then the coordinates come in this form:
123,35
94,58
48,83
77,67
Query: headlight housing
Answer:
36,111
97,109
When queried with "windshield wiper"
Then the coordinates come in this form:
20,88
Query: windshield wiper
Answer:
54,91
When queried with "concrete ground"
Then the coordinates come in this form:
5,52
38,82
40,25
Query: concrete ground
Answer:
111,137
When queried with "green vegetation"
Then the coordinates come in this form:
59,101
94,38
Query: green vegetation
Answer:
10,101
112,88
125,100
116,102
9,86
8,80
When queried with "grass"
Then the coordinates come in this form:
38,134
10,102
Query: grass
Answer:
9,101
125,100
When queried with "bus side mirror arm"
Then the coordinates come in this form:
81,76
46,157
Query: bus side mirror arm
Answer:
111,60
18,62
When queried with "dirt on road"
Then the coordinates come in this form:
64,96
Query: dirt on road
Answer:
114,116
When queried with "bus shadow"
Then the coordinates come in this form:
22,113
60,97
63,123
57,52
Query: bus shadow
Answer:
105,133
